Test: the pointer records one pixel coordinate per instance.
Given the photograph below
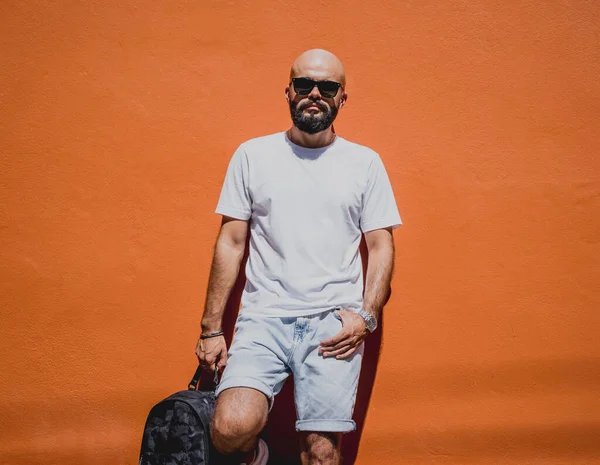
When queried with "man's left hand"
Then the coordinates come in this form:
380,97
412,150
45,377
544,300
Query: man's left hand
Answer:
344,344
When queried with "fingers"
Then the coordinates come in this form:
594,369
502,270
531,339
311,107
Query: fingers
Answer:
339,337
342,351
352,326
200,352
350,341
211,358
345,343
222,359
212,353
346,354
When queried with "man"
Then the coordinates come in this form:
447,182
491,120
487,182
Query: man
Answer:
307,195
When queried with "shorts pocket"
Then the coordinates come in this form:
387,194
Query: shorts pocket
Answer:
337,316
334,323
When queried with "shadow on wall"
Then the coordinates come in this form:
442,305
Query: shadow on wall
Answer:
280,432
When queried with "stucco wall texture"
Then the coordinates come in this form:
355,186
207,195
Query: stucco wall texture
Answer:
118,121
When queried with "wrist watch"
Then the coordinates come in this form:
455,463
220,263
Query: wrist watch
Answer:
370,320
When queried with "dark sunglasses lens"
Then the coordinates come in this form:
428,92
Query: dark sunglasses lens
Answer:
303,86
328,89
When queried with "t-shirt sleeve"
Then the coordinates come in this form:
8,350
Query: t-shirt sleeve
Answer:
379,208
235,198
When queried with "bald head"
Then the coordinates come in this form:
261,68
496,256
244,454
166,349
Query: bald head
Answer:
319,65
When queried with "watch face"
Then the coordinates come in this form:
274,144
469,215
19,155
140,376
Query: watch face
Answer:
371,324
370,320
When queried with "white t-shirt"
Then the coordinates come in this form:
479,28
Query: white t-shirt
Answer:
307,209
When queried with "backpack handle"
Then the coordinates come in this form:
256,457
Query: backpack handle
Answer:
193,384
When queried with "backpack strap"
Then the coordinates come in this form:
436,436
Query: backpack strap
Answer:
193,384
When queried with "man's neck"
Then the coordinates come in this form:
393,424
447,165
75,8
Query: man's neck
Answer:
311,141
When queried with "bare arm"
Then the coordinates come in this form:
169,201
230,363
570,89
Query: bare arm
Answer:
380,244
229,251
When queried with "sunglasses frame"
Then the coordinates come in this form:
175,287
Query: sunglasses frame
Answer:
316,83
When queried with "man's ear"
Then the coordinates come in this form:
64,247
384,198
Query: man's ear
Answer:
287,94
343,99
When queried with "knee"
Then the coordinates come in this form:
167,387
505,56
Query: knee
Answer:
234,431
321,448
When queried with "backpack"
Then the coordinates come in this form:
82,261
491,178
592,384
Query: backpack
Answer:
177,429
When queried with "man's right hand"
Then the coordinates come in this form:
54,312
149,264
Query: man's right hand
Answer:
212,352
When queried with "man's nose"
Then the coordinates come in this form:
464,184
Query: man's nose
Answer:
314,93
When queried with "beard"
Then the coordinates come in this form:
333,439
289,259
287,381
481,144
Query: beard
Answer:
311,123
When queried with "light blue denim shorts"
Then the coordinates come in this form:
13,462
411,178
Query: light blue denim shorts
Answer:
266,350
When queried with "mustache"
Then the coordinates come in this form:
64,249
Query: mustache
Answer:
320,105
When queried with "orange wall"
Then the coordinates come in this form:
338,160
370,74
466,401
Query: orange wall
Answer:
118,121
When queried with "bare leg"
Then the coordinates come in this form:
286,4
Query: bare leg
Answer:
320,448
240,414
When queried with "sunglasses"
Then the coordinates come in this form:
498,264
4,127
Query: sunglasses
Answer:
304,86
